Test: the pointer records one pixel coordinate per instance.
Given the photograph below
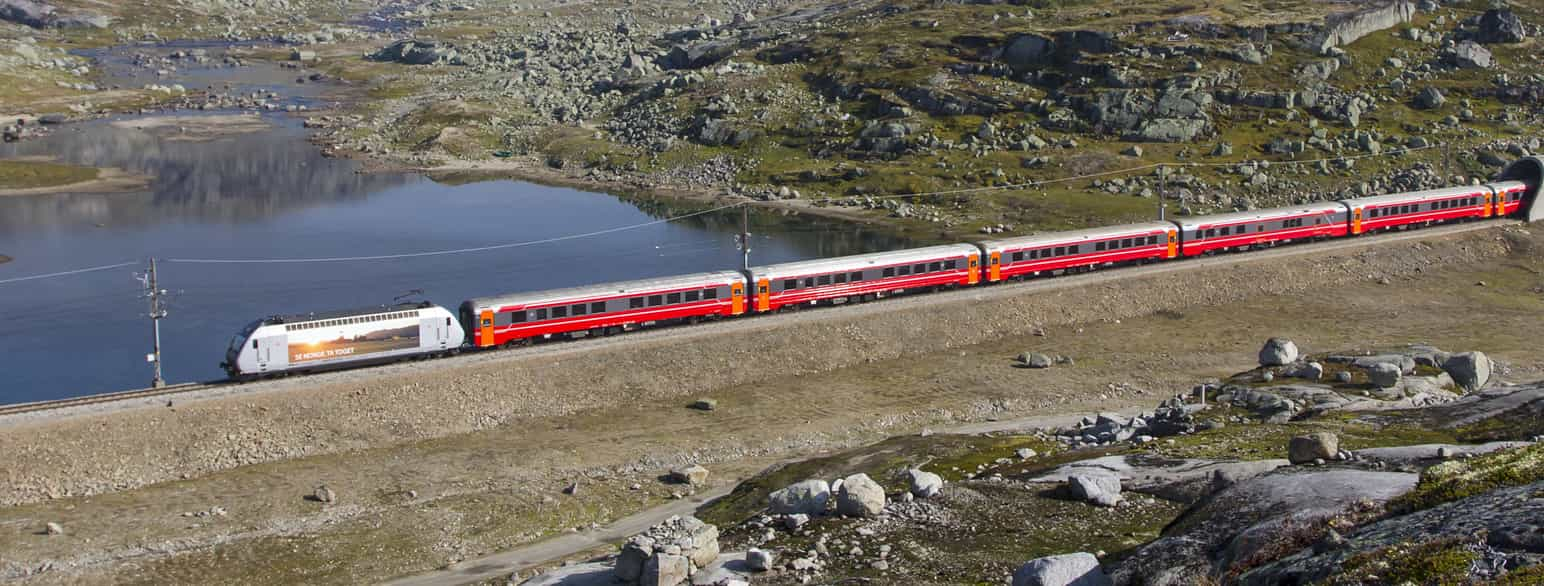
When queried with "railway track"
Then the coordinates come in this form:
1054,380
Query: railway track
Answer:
166,391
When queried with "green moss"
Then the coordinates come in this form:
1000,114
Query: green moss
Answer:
1457,479
32,174
1442,561
1529,576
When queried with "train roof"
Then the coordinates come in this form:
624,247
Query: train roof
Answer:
1260,215
1508,185
845,263
1418,195
337,313
1083,235
609,289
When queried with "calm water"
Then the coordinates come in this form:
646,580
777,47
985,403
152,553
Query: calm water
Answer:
271,195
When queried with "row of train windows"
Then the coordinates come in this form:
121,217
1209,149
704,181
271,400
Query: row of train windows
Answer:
350,320
1415,207
579,309
1125,243
1019,255
920,268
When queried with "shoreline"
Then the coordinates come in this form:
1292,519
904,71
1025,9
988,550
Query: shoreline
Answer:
109,180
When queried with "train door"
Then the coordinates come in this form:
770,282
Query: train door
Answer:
973,272
432,332
737,299
995,270
1490,199
272,353
763,295
485,322
1173,243
1356,220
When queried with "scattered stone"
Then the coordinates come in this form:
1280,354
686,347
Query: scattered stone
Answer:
694,475
1315,446
705,404
1025,453
1469,55
860,496
1471,370
759,560
1501,26
1430,99
1132,151
1073,569
1097,487
1034,360
1384,375
53,528
323,495
571,489
664,569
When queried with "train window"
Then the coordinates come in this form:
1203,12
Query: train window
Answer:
1098,246
855,276
823,280
841,277
1152,239
598,307
541,314
579,309
516,316
889,272
635,303
560,312
1125,243
809,281
656,300
1259,227
790,284
710,293
1210,232
673,298
1034,254
935,267
1018,256
919,268
691,295
951,265
1074,249
254,343
1058,251
903,270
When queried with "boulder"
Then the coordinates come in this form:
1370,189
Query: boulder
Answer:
1430,99
1469,55
52,528
416,52
1470,370
1343,29
924,484
1034,360
1384,375
1171,130
665,569
26,12
324,495
694,475
635,553
1278,352
1072,569
860,496
1304,449
1501,26
759,560
1310,371
1097,487
808,497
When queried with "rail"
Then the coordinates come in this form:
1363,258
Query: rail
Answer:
169,390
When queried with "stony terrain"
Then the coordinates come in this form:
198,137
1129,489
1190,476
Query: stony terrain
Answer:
1343,468
853,105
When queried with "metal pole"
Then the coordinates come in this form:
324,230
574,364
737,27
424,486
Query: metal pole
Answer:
1163,193
745,238
156,313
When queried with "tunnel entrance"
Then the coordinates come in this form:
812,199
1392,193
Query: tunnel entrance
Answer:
1529,170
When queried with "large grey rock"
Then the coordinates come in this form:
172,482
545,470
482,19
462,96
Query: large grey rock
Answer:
1501,26
1248,516
1469,55
694,475
1416,453
1384,375
416,52
808,497
1430,99
584,574
1072,569
1100,488
1471,370
635,553
1278,352
1314,446
1171,130
924,484
1185,481
664,569
759,560
1312,371
1034,360
1343,29
860,496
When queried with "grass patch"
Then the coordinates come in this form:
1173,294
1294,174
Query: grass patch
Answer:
1458,479
33,174
1441,561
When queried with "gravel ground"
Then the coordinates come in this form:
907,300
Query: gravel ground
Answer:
55,456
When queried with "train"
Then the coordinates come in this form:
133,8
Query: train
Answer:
304,343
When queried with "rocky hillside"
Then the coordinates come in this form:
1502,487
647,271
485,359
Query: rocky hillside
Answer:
1404,466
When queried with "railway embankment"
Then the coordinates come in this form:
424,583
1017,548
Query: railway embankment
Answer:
94,453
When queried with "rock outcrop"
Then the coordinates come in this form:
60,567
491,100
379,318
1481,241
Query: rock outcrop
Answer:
1343,29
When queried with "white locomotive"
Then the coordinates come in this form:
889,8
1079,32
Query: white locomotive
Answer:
321,341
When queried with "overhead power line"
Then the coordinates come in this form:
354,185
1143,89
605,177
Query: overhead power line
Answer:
67,273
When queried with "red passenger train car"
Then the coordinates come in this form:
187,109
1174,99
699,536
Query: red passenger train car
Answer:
1077,250
601,309
1369,214
1509,196
1268,227
862,277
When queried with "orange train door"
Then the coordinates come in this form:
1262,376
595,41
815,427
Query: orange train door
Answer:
1489,199
973,272
995,271
1356,220
737,299
486,339
763,296
1173,244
